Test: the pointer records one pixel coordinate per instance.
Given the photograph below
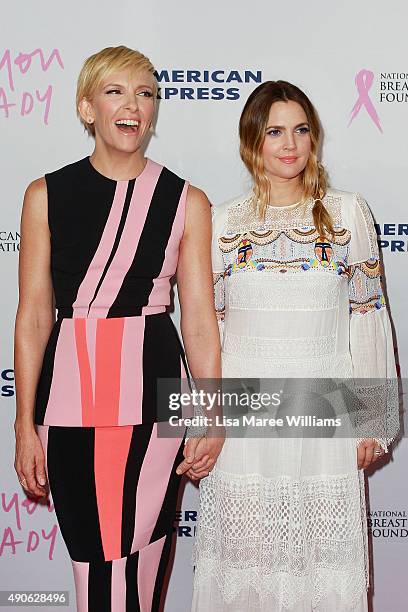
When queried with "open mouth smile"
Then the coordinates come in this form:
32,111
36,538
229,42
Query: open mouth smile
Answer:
127,126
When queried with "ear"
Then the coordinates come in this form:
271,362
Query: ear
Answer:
86,111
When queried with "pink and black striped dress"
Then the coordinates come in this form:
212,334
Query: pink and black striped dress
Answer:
114,250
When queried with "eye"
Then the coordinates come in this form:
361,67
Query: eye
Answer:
113,91
145,93
274,132
303,130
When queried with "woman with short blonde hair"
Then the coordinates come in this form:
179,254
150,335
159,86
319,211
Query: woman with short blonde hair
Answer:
101,239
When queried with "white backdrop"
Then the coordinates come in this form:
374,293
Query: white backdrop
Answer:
319,46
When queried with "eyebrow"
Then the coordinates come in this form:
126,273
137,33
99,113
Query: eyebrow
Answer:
118,85
282,127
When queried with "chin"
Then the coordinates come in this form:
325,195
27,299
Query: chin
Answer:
290,174
128,148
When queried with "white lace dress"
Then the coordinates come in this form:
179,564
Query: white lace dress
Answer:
282,522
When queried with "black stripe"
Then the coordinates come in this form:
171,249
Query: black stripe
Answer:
47,370
122,222
161,583
79,203
169,505
138,446
72,483
149,256
132,592
158,363
100,586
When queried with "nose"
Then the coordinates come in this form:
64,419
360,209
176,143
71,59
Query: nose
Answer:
131,103
289,144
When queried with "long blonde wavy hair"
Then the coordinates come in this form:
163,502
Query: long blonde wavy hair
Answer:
252,131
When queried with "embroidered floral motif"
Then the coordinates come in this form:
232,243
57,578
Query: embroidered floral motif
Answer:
365,289
228,243
323,251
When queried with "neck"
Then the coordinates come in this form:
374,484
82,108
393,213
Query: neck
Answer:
117,165
284,191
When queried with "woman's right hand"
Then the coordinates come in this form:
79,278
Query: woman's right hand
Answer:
30,461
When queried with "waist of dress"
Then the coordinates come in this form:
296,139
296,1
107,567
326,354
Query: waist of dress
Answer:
82,313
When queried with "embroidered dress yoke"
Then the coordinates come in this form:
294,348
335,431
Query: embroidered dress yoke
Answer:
282,520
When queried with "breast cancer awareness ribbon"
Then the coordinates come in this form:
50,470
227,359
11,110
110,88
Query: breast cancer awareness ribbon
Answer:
364,80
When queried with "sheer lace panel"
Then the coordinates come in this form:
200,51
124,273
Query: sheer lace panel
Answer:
283,536
242,216
278,348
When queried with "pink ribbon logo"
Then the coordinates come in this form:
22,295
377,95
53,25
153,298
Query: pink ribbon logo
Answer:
364,80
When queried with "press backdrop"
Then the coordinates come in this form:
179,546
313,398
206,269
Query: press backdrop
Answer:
350,58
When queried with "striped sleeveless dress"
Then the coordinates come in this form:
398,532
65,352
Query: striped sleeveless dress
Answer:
114,250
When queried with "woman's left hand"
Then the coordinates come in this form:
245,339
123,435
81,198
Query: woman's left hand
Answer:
207,452
368,451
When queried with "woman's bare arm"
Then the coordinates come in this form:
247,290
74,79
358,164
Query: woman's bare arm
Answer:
199,326
34,321
194,281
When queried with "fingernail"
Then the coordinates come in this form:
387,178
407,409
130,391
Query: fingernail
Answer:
178,471
41,481
190,459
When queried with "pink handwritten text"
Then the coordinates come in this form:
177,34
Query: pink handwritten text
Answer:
26,101
15,538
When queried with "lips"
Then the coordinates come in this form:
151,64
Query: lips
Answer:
288,160
127,126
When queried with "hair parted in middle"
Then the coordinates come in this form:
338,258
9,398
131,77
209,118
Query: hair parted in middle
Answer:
252,132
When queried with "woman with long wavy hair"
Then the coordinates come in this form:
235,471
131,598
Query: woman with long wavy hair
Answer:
298,296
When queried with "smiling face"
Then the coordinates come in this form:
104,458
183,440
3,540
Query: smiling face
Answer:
287,143
121,110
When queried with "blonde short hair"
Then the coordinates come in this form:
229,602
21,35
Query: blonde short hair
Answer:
100,65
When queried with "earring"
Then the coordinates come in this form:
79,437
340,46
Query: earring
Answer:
90,120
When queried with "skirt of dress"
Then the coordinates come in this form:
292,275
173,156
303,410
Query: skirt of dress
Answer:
282,528
115,491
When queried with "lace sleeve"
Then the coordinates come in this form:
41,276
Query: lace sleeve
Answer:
371,343
219,300
218,271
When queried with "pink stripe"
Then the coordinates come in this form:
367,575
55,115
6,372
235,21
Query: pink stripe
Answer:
81,574
109,335
84,372
161,285
90,282
111,452
136,217
131,382
153,479
149,560
91,345
118,593
64,402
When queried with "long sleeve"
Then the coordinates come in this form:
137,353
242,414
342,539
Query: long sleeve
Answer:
371,343
218,271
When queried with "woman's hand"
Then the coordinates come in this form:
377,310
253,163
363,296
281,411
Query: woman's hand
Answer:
368,451
207,452
30,462
190,449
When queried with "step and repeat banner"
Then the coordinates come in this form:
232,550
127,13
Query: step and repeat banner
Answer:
349,58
